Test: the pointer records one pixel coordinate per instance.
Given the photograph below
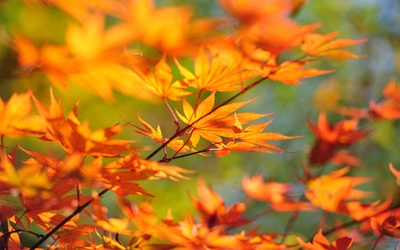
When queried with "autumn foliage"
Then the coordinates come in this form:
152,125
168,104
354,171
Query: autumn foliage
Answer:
143,54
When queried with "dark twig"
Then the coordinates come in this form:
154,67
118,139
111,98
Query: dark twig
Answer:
78,210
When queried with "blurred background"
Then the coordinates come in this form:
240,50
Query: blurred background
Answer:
354,83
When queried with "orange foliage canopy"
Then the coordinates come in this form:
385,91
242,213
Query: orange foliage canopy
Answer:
52,192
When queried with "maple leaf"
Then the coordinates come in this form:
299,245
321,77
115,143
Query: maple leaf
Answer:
343,157
251,139
388,109
27,180
75,137
7,209
213,125
319,242
291,71
330,138
71,168
160,82
187,234
79,10
156,135
90,41
360,211
15,119
68,236
330,191
275,34
254,240
253,11
392,91
323,46
390,226
214,75
90,59
143,169
275,193
213,209
246,56
149,25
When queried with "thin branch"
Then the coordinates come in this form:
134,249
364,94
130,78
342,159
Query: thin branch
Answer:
197,102
183,145
2,144
292,220
354,222
377,241
185,155
78,210
25,231
294,216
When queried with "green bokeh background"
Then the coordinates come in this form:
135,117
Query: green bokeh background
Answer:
357,82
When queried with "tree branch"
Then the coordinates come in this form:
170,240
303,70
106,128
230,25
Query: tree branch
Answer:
78,210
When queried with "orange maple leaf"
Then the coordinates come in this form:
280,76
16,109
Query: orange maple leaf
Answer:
291,71
360,211
141,169
330,191
81,10
150,24
213,210
330,138
343,157
392,91
388,109
253,11
75,137
320,242
91,59
323,46
275,193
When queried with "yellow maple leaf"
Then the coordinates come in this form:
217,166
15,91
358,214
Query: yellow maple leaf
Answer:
15,119
212,125
215,74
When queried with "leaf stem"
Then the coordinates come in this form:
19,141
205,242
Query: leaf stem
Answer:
178,127
197,102
294,216
2,144
184,144
377,241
